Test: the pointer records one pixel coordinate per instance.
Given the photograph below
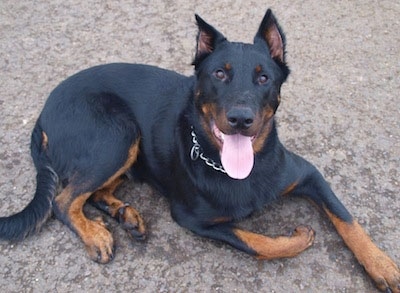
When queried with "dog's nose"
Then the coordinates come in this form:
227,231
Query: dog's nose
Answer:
240,118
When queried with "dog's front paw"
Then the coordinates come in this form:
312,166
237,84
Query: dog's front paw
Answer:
383,271
304,237
99,242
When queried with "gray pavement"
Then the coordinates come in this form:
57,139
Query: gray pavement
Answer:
340,110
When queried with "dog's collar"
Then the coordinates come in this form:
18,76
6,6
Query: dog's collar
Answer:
196,152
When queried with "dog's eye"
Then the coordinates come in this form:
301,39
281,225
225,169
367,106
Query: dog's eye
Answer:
220,74
262,79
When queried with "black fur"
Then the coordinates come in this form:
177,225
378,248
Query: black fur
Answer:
93,117
91,120
30,219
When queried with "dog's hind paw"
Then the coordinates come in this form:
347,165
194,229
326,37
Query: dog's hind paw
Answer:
132,222
100,243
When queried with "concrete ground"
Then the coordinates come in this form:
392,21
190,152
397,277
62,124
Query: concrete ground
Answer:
340,110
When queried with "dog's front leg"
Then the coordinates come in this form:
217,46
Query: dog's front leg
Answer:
378,265
280,247
261,246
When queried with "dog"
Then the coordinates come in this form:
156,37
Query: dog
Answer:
207,142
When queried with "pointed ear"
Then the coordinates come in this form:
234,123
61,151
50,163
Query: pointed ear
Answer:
207,40
271,33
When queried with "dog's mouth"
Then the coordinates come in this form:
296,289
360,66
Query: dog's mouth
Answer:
236,152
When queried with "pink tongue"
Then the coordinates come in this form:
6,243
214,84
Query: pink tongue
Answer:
237,155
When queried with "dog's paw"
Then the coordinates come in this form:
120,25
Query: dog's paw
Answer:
132,222
99,242
384,272
305,236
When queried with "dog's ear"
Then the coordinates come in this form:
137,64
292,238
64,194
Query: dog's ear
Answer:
207,39
270,33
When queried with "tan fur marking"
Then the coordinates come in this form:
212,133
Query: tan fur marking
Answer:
377,264
220,220
98,240
63,200
280,247
129,218
45,140
75,211
106,195
210,113
263,135
289,188
132,156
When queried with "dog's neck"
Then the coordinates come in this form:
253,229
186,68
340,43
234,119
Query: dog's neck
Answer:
196,152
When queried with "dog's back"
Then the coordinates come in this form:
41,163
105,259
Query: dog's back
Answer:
209,142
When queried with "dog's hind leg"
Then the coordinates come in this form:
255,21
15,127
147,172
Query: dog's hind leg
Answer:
69,209
126,215
97,239
92,139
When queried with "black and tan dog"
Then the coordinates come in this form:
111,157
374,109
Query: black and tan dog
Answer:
207,142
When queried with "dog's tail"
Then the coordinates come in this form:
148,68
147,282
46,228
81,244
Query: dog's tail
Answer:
31,218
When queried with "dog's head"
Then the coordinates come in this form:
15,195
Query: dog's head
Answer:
238,90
